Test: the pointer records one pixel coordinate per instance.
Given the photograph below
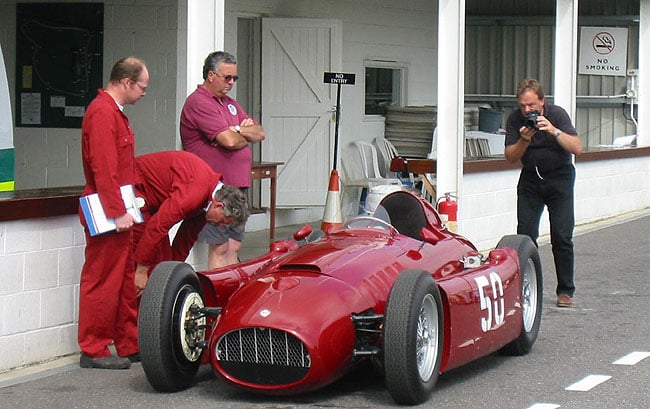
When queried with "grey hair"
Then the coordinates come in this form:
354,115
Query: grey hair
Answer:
235,203
214,59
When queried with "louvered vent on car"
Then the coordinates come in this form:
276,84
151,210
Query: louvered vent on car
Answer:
263,356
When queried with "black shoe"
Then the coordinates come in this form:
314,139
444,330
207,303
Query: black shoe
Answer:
108,362
134,358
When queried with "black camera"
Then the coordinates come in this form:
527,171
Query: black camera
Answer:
531,119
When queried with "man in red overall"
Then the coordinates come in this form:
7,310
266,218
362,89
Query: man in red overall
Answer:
107,295
179,186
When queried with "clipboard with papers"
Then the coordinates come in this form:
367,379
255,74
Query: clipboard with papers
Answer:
95,216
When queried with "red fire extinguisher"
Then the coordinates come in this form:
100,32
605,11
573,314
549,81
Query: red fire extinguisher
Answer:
448,209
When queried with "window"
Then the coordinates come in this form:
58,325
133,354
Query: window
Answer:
384,83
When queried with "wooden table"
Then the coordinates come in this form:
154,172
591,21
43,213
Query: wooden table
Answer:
419,166
470,165
268,170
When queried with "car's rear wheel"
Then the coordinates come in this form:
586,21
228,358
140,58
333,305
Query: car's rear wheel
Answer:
171,331
413,336
532,292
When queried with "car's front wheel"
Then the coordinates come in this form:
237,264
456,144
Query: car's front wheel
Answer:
532,292
413,337
171,329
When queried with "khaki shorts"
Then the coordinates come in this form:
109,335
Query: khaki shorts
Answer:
214,234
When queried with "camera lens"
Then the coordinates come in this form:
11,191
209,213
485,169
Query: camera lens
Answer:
531,119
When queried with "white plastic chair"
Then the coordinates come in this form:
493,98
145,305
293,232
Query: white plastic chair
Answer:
369,164
387,151
362,172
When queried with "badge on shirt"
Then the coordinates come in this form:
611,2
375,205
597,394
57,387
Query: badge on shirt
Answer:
232,109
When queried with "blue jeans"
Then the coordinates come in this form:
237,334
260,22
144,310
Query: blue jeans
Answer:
554,190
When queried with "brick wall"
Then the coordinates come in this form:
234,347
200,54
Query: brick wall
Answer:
40,263
604,188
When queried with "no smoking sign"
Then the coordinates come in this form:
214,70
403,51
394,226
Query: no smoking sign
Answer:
603,51
604,43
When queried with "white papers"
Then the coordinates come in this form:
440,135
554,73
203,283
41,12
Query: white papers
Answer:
624,140
621,142
96,219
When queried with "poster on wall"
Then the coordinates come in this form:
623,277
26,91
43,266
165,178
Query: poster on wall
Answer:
59,61
603,51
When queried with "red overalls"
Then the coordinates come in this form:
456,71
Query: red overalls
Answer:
107,293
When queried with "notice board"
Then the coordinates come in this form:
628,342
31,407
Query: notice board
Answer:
59,59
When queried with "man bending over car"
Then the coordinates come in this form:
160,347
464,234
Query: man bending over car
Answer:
178,186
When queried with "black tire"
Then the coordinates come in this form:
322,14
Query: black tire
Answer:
413,337
532,292
168,350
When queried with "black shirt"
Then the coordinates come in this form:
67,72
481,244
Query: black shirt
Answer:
544,153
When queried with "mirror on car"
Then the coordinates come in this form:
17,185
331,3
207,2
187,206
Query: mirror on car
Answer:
302,232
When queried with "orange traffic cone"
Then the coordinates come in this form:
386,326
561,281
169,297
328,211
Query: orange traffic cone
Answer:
332,215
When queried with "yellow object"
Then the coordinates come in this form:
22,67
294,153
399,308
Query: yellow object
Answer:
7,186
27,76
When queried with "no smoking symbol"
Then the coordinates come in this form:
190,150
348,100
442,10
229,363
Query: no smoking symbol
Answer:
603,43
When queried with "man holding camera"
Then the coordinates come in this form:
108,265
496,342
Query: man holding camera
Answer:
542,136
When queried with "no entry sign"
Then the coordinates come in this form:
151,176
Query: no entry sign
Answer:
338,78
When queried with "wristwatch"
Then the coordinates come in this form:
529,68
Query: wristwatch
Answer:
237,128
557,132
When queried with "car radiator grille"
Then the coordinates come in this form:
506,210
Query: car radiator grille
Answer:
263,356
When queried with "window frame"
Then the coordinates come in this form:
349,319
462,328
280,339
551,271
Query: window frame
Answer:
400,66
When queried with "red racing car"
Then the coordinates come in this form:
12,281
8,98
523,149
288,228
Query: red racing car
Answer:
396,288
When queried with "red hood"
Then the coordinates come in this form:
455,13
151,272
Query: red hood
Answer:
344,255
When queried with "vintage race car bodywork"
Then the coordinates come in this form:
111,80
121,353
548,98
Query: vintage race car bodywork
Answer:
407,294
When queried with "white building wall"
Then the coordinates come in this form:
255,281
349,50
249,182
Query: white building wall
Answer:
51,157
379,29
41,261
372,29
605,188
487,207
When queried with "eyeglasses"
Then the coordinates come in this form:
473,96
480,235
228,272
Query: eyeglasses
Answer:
143,89
227,78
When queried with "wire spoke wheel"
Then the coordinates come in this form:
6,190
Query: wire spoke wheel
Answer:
531,292
427,337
